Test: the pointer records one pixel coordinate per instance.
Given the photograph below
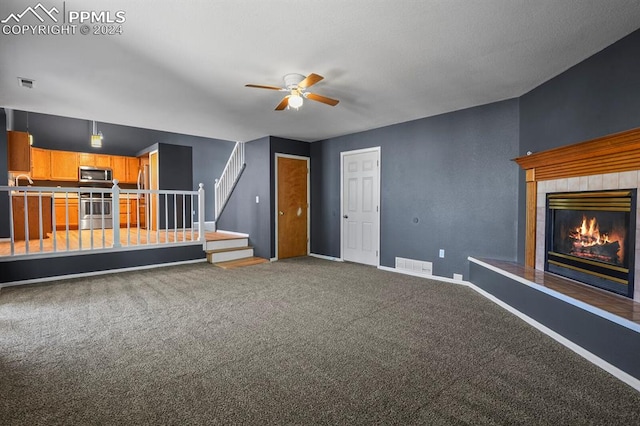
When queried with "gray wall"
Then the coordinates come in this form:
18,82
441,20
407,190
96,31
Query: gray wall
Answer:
450,172
597,97
71,134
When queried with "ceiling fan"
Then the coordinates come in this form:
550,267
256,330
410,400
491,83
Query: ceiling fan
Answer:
297,85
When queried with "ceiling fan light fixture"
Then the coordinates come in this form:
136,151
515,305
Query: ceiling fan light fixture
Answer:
295,100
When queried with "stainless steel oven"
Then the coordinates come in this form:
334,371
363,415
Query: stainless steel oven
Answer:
96,210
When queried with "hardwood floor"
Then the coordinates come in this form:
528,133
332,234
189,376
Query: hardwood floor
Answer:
607,301
86,239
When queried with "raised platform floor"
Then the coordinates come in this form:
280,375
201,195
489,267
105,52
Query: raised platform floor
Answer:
104,239
607,301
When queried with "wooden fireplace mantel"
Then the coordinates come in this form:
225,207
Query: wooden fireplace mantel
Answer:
619,152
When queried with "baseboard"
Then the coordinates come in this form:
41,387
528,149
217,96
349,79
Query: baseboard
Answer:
322,256
430,277
5,240
594,359
92,274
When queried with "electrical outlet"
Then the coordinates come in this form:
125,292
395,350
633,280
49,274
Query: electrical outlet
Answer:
441,254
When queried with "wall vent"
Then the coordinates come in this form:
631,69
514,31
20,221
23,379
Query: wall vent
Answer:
26,82
419,267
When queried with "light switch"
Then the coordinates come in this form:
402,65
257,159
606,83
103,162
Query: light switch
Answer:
257,199
441,253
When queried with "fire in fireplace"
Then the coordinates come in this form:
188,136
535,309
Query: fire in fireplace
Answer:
591,238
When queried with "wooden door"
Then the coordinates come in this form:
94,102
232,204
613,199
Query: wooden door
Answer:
360,206
292,206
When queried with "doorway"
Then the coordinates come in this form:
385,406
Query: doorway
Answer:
360,206
292,206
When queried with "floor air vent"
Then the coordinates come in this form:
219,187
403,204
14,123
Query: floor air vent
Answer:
414,266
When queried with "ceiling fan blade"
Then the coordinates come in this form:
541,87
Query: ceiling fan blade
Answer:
283,103
310,80
323,99
260,86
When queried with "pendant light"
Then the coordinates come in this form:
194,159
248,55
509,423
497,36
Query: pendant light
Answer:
96,137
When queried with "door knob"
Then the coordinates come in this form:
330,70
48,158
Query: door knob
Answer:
281,213
346,216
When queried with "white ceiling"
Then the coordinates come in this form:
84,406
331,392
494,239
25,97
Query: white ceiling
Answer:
182,65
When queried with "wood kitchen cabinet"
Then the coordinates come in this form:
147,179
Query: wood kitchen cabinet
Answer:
133,212
18,152
119,167
32,207
133,165
40,164
64,165
61,213
94,160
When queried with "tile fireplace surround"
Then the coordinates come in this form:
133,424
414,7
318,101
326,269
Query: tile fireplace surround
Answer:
607,163
621,180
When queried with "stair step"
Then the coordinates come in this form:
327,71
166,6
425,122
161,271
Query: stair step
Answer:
220,244
249,261
227,254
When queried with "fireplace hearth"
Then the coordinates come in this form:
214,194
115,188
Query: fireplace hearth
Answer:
590,237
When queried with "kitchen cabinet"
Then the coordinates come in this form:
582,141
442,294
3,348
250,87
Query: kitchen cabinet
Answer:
133,212
64,165
133,165
32,208
119,167
94,160
40,164
61,213
18,152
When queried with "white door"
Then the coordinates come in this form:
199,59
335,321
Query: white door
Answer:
361,206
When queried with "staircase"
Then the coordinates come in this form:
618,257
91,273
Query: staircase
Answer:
228,250
230,175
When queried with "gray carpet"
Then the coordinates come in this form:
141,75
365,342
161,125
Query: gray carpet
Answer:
302,341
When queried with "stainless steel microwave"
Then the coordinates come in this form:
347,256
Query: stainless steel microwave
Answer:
88,174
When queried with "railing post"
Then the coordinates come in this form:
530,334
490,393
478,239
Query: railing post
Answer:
115,213
201,212
216,190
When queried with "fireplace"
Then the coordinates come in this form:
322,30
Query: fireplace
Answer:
590,237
